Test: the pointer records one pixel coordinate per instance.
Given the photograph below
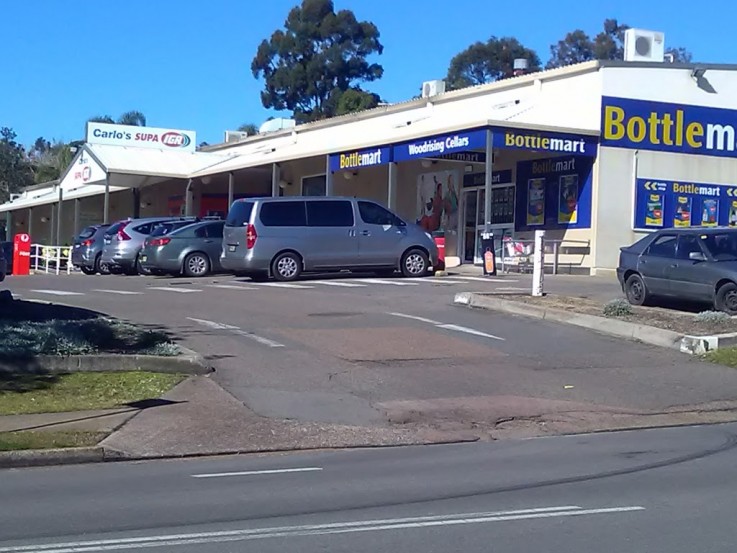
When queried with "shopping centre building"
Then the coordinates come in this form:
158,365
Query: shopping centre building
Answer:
596,154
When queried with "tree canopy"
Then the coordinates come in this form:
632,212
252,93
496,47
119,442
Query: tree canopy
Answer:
318,57
15,169
484,62
577,46
132,118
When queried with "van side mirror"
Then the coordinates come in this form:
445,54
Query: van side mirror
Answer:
697,256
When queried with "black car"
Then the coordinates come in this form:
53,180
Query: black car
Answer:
693,264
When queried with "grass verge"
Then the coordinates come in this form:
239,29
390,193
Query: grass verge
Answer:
14,441
723,356
33,393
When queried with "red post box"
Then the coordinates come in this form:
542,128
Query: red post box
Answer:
440,243
22,255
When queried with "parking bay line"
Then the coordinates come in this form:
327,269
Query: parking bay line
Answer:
338,283
119,292
231,287
58,292
484,279
235,330
282,285
392,282
172,289
256,472
445,326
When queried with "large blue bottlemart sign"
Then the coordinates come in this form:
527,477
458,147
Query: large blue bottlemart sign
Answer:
440,145
548,142
640,124
668,204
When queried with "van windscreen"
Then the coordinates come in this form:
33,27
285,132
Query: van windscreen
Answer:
239,214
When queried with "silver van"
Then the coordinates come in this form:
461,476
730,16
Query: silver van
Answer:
286,236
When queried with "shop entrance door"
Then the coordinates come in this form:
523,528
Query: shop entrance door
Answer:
502,219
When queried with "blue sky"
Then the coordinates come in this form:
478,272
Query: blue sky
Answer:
186,63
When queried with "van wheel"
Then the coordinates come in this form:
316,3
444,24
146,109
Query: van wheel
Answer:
726,299
415,263
196,265
286,266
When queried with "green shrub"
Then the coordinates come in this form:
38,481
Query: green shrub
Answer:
713,317
617,308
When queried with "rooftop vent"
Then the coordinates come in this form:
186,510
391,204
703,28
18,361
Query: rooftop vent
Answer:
520,66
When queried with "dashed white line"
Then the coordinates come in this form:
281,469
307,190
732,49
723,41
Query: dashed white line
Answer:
58,292
392,282
231,287
173,289
119,292
235,330
446,326
256,472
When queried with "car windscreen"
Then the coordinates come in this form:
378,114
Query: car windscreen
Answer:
722,246
239,214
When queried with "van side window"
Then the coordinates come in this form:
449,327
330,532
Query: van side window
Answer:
283,214
329,213
374,214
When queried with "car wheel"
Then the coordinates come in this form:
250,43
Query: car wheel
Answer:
726,299
286,266
196,265
415,263
88,270
636,290
140,269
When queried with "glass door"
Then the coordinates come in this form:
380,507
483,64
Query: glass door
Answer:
502,216
470,224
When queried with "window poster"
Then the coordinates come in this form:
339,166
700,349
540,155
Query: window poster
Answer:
654,213
733,214
536,202
682,216
709,212
568,199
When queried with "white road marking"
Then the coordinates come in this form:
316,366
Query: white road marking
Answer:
392,282
338,283
511,289
415,318
282,285
467,330
238,331
256,472
446,326
485,279
119,292
172,289
434,280
245,534
58,292
231,287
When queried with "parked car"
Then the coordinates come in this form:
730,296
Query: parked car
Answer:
87,250
162,229
193,250
124,240
694,264
7,253
284,237
3,267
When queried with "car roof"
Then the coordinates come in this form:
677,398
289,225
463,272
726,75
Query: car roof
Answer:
698,230
303,198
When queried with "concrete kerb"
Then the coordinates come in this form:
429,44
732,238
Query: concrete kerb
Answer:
694,345
46,457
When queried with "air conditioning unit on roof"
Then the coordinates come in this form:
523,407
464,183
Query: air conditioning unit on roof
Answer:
432,88
235,136
643,45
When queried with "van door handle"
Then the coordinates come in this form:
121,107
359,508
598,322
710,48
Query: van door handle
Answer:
366,232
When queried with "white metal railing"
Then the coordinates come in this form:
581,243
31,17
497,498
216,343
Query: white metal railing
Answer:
51,259
519,254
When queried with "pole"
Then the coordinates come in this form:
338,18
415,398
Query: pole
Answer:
231,189
106,201
9,226
58,217
328,177
30,223
489,169
77,204
538,270
136,202
188,199
275,178
52,225
392,187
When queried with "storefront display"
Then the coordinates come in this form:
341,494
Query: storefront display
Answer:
554,193
661,203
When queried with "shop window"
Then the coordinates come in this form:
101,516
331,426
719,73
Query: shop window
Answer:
502,206
314,186
663,246
329,213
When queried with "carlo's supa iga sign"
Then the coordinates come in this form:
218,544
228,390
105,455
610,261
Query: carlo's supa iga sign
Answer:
141,137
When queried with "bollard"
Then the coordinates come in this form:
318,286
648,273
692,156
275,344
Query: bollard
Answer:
538,270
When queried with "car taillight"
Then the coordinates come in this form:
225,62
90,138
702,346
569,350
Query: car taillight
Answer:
88,242
159,241
251,236
122,235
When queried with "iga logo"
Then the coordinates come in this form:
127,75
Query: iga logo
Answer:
175,139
